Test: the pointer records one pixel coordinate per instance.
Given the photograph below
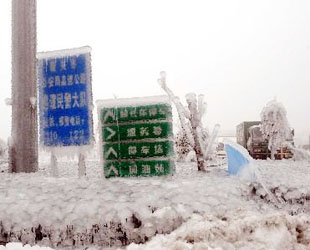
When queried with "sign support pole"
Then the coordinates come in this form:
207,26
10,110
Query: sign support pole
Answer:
24,144
54,165
82,165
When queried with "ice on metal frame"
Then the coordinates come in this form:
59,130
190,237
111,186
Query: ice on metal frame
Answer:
64,53
132,102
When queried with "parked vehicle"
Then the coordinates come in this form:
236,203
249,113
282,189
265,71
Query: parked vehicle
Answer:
250,137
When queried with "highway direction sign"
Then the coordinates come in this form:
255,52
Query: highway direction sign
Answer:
137,140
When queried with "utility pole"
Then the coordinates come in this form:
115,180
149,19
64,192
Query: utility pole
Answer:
24,138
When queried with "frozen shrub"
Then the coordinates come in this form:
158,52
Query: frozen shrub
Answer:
191,124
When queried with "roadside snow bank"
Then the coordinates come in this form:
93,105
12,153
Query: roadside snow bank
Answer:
93,211
240,230
288,181
68,211
19,246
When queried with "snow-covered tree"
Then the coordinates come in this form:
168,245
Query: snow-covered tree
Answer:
274,126
182,144
191,121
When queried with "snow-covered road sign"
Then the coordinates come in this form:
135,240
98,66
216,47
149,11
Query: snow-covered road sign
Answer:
65,97
137,137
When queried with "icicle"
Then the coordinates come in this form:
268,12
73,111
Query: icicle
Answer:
201,107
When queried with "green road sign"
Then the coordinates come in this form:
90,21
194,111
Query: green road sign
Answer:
138,168
137,131
140,113
137,141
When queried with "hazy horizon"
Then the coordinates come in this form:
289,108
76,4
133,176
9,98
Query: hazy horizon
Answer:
239,54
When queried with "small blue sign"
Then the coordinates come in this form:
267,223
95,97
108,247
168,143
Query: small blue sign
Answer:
65,99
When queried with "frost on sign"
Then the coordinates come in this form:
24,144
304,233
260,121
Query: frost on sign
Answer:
137,140
65,97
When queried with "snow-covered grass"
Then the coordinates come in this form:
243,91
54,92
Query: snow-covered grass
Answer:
190,210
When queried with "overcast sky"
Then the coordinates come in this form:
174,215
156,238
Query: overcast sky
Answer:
240,54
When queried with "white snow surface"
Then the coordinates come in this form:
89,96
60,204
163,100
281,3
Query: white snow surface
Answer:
190,210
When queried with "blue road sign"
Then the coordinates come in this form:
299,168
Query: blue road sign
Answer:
65,98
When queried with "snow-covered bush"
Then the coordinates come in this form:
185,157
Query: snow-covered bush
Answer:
191,120
182,144
274,126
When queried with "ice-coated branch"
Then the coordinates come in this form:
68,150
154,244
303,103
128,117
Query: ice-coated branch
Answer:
191,120
182,112
210,144
202,107
194,120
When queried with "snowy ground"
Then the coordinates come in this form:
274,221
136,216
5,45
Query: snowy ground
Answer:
189,210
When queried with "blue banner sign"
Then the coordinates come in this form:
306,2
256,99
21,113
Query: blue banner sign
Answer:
65,98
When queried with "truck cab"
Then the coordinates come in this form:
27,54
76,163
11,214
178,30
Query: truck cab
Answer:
256,145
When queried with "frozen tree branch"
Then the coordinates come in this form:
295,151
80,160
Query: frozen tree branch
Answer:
210,144
182,112
191,119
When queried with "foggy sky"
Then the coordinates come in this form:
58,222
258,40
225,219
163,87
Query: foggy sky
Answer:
240,54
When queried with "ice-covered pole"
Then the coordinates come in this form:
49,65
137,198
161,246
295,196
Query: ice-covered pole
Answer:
23,148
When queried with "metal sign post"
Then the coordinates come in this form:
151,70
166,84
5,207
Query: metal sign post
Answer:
23,148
